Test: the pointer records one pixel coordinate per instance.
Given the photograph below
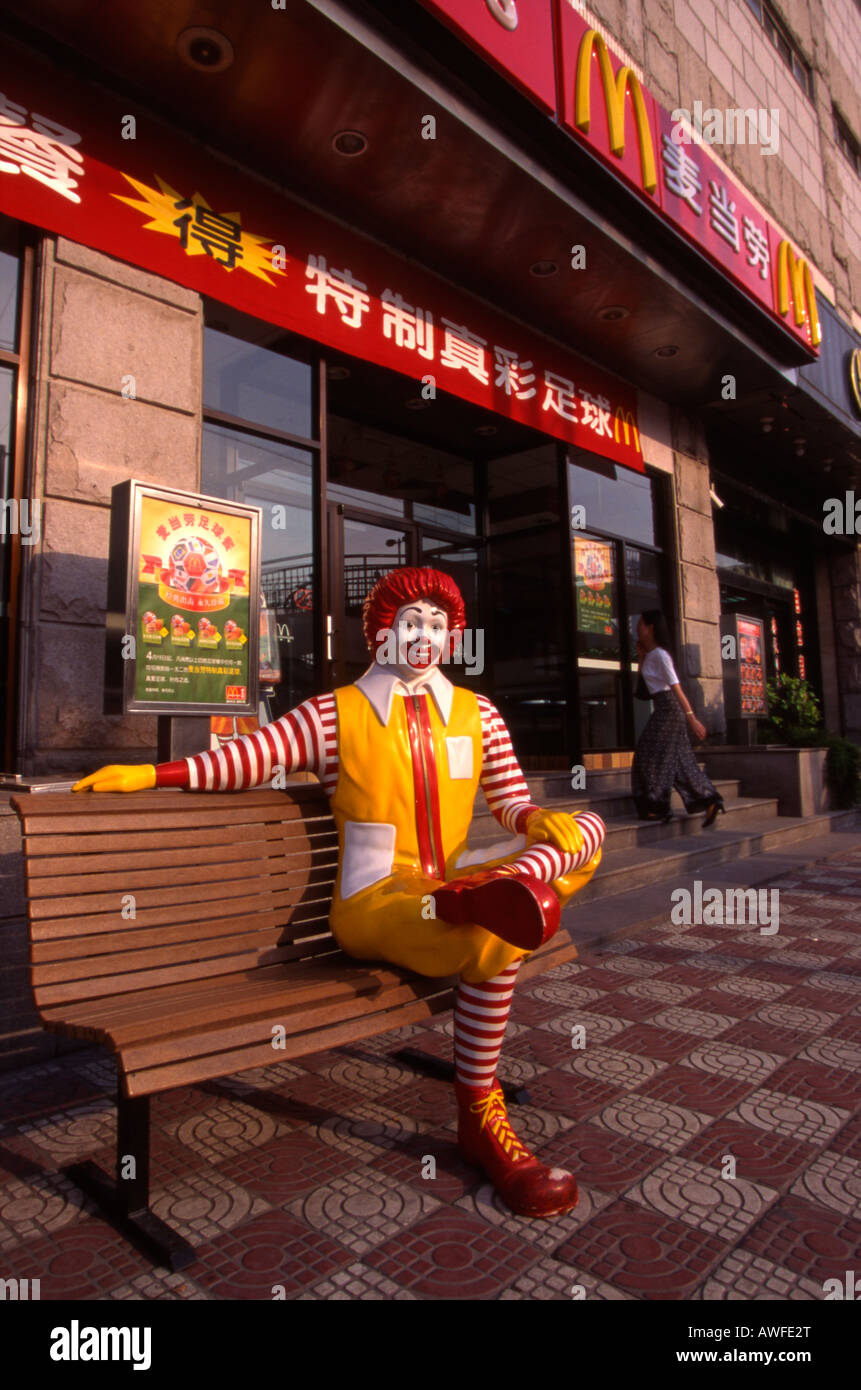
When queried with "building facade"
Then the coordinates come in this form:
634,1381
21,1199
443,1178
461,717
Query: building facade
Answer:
441,283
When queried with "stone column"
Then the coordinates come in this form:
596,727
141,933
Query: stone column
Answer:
846,591
699,597
117,395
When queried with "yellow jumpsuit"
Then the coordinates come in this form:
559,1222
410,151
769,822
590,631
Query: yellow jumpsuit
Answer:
402,805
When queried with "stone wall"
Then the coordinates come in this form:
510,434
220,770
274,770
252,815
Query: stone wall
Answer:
699,596
105,328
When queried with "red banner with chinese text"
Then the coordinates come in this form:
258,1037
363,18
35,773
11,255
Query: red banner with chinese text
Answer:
163,202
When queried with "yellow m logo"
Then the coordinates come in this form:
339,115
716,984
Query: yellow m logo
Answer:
793,276
626,419
615,90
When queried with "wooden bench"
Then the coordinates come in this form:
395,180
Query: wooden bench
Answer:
179,929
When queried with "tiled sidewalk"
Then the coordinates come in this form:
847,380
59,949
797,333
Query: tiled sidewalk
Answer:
703,1045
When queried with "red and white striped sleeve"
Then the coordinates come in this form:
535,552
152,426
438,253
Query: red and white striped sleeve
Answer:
502,781
305,740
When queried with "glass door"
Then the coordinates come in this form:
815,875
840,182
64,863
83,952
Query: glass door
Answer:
362,548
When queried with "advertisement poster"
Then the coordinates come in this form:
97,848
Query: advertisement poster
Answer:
751,664
184,576
593,569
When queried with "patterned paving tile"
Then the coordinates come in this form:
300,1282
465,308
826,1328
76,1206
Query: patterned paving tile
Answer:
226,1129
269,1253
812,1081
87,1259
625,1005
360,1210
748,1032
820,999
663,991
807,1239
642,1253
542,1047
40,1090
45,1202
760,1157
447,1179
68,1138
549,1279
651,1121
711,1093
607,1162
567,994
570,1094
832,1180
367,1131
599,1027
661,1043
684,1190
790,1115
749,987
452,1255
848,1139
728,1059
282,1171
702,1025
633,965
202,1205
160,1284
357,1282
544,1234
744,1277
714,1001
609,1066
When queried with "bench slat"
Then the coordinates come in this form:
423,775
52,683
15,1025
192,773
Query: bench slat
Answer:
56,865
151,1080
173,818
163,904
271,832
137,879
133,937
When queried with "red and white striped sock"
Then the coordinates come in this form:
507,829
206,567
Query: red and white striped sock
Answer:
548,863
480,1016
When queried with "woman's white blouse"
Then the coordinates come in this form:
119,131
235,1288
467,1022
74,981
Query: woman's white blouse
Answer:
658,670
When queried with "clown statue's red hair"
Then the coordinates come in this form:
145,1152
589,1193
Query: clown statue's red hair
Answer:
401,754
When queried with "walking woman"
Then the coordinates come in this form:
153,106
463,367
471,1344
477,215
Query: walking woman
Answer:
664,758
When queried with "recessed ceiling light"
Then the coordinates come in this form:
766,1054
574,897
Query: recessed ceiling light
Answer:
542,269
337,373
416,403
767,423
613,313
204,49
485,431
350,143
669,351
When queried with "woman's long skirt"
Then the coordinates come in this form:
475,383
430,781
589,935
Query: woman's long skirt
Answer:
665,759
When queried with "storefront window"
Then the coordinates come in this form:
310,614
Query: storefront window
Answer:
8,300
615,498
255,384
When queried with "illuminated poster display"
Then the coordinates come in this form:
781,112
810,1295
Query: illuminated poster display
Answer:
594,575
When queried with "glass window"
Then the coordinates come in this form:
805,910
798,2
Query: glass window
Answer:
279,479
523,489
6,384
382,472
8,301
256,384
643,578
615,498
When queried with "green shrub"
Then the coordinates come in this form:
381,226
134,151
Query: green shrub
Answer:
843,771
794,714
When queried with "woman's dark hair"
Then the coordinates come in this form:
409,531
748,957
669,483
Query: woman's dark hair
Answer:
654,618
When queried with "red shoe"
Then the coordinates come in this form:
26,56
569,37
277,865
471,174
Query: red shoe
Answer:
523,911
486,1139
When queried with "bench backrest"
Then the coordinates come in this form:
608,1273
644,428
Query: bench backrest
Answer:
131,891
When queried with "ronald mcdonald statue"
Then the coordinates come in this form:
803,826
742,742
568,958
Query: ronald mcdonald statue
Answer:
401,755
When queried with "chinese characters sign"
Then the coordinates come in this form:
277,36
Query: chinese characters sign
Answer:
166,205
601,101
187,567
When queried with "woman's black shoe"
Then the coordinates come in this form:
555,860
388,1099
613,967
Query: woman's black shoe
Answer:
715,806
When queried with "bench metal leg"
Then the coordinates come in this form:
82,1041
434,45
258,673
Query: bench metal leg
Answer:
437,1066
125,1200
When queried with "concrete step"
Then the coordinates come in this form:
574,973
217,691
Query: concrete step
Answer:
596,922
633,867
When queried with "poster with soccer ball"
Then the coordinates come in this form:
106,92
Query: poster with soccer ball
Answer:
191,621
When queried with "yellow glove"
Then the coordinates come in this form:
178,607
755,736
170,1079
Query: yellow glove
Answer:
557,828
119,777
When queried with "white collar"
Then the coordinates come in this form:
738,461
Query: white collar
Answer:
380,684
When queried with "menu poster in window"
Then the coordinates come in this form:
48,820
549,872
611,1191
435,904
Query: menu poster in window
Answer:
751,667
184,605
593,571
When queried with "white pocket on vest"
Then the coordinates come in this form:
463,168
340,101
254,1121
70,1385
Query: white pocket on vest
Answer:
459,757
369,852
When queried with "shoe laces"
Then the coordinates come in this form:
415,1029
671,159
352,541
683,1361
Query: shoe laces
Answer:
493,1114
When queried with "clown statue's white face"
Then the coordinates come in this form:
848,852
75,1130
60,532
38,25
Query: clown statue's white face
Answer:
417,641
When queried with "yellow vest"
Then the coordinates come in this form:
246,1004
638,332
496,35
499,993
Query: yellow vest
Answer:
374,802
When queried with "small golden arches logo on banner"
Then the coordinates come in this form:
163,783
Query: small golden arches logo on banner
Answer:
504,11
855,377
625,418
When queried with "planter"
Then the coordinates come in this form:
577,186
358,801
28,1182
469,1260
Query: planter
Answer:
796,776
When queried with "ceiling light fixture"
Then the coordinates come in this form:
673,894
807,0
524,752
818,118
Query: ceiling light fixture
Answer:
669,351
204,49
337,373
416,403
543,269
613,313
349,143
767,424
486,431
